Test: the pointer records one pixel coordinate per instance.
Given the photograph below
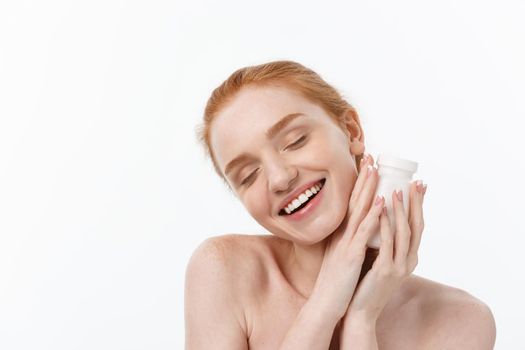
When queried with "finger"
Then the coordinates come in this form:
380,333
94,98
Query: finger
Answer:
402,235
365,160
370,224
364,202
412,189
386,250
366,163
345,226
416,218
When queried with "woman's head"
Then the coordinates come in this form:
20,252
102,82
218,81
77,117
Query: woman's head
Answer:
274,129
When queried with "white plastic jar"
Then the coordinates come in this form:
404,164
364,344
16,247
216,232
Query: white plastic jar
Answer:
394,174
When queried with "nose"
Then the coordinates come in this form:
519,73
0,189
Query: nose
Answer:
280,175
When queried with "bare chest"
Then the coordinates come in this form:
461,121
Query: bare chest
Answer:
273,312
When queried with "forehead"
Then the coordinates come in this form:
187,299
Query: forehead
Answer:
244,121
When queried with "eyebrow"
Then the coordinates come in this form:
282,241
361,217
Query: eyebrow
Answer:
270,133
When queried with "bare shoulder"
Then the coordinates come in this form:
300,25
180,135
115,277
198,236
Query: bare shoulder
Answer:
219,281
240,258
453,318
232,248
243,262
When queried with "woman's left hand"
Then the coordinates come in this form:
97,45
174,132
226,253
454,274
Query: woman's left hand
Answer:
397,259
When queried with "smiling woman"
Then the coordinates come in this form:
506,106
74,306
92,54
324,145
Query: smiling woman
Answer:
292,150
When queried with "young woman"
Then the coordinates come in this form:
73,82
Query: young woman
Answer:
289,146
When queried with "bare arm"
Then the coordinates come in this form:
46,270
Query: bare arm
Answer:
312,329
359,335
213,314
337,279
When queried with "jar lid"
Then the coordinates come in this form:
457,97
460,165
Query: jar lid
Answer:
395,162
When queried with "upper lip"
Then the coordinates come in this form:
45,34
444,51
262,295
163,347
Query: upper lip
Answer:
296,193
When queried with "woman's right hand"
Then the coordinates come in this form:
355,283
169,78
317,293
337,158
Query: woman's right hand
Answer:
346,247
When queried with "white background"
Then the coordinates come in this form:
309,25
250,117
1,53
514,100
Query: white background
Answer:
104,192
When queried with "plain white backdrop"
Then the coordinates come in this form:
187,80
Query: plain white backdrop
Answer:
105,193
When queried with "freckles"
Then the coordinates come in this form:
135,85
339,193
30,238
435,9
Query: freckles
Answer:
257,204
321,149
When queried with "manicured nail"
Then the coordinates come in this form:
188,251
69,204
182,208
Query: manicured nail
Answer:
379,199
384,210
362,164
419,187
400,195
370,170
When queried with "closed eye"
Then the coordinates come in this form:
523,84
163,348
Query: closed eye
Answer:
297,143
294,145
250,178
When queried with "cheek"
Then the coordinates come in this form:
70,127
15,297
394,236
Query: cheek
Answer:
342,165
256,203
334,152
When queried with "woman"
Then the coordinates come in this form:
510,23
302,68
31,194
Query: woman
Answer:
289,146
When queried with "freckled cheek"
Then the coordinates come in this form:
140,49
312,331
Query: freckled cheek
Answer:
332,154
320,152
257,205
339,161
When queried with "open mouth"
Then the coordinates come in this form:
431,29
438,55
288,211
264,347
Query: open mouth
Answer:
302,199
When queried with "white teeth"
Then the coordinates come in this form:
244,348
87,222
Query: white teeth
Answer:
303,198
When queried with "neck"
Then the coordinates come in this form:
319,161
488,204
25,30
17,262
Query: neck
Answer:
304,265
305,261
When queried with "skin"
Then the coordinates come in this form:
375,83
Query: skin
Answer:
391,304
326,154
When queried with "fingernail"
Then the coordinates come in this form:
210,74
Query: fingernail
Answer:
384,210
419,188
379,199
362,164
399,195
424,189
365,158
370,170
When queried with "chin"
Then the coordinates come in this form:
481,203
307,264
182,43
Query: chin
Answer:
317,231
320,228
333,220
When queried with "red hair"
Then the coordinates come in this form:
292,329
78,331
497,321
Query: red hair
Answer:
277,73
288,74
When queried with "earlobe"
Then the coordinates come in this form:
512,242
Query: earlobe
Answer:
352,126
358,154
354,133
357,147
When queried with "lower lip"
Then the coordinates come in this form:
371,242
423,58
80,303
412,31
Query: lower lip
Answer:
309,208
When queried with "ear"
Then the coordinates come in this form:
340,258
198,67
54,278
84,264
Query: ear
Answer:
354,132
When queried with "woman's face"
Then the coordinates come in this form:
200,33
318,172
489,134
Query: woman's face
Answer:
271,145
